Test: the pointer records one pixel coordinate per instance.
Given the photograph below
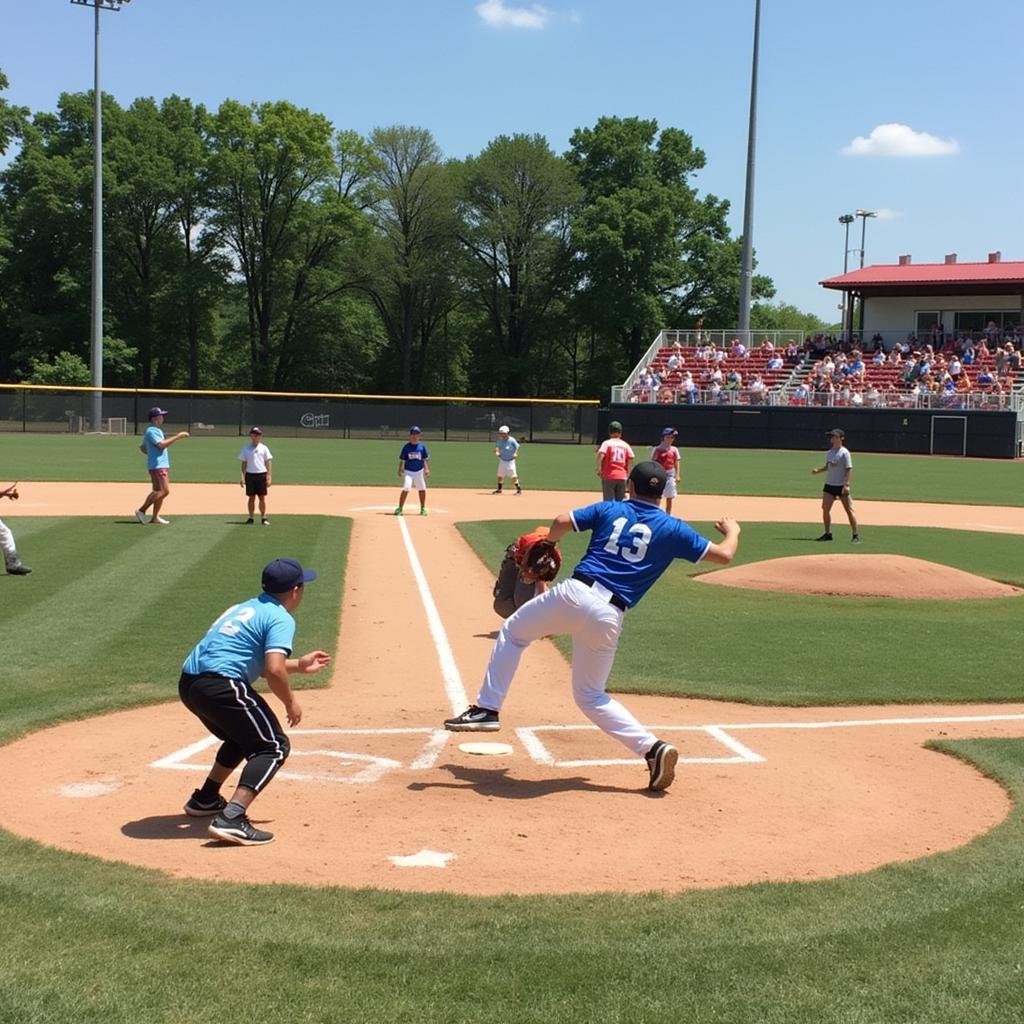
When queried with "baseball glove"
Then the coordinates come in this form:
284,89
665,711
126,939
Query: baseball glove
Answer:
540,561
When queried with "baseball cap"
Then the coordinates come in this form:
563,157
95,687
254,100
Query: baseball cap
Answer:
615,425
836,432
648,479
503,430
255,430
415,430
669,431
284,573
157,411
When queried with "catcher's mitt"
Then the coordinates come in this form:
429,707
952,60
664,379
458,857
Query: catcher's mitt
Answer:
541,560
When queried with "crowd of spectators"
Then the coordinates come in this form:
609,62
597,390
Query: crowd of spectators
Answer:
940,370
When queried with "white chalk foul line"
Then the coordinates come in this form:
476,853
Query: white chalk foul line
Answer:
453,687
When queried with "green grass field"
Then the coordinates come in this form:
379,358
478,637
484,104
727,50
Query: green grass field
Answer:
111,610
542,467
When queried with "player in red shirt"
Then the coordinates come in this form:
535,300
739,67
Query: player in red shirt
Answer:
666,455
613,459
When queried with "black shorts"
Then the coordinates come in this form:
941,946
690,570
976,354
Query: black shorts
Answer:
255,484
836,490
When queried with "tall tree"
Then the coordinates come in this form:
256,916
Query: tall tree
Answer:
410,264
12,118
278,210
647,243
516,199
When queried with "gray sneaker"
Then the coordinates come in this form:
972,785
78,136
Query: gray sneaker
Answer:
239,831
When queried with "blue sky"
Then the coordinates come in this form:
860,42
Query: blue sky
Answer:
904,107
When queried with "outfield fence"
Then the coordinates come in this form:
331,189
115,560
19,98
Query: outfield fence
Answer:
46,409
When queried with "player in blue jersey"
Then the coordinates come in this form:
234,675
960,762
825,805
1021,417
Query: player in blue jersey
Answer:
631,544
413,469
506,448
249,640
158,461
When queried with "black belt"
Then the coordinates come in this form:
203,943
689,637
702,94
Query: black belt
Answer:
613,599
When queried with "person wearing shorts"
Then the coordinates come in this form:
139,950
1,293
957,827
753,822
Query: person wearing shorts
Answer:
413,469
255,459
506,448
666,455
13,564
154,446
839,467
613,459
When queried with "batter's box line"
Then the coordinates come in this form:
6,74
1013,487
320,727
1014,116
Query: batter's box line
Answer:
535,747
376,766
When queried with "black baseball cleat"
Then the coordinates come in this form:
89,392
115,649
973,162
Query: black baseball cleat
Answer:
855,539
248,521
474,719
197,807
661,765
824,536
497,490
265,521
18,569
239,831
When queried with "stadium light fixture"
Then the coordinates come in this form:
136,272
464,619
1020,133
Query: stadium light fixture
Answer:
863,214
846,220
96,331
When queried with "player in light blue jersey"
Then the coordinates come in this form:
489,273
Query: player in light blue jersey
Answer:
631,544
158,462
506,448
249,640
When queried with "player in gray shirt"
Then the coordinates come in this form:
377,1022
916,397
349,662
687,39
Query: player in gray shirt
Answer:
839,468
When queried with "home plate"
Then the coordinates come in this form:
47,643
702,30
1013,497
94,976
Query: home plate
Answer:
486,748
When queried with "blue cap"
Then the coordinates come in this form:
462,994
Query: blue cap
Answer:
284,573
669,431
157,411
415,430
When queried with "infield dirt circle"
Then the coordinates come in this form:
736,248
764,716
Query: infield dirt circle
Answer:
377,794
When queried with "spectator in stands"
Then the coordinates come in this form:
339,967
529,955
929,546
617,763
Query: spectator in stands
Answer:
792,351
968,352
1014,357
689,389
827,367
981,351
734,381
954,368
843,394
801,394
737,350
910,368
992,333
857,398
717,354
872,396
877,342
698,327
895,357
774,363
677,346
674,361
878,359
758,389
767,346
714,391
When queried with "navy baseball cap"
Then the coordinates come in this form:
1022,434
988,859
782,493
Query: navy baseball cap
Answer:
836,432
669,431
157,411
284,573
255,430
648,479
415,430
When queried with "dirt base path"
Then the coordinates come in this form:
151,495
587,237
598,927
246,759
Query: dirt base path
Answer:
377,794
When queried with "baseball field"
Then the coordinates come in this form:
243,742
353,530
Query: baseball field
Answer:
862,864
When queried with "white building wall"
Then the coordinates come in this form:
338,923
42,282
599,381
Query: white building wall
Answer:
888,316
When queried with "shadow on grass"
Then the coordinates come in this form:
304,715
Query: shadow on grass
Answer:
497,782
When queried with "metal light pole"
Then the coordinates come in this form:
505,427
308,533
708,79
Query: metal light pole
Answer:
96,331
747,262
863,214
846,219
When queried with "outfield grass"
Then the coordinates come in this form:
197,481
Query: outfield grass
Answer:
29,457
689,639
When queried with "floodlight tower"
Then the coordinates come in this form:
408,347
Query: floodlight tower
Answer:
846,220
96,331
747,259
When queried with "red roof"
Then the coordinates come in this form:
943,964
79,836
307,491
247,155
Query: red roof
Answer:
886,275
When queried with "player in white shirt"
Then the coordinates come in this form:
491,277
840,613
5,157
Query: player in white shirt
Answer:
255,459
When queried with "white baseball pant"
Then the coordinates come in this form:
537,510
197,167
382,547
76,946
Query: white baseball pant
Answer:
7,545
595,625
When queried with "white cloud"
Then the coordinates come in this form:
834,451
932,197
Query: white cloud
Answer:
900,140
498,14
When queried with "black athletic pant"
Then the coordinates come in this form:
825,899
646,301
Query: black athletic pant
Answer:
235,713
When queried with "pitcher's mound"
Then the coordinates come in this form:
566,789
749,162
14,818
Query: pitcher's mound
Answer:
861,576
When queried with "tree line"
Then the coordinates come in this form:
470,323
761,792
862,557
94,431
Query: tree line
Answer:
256,246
